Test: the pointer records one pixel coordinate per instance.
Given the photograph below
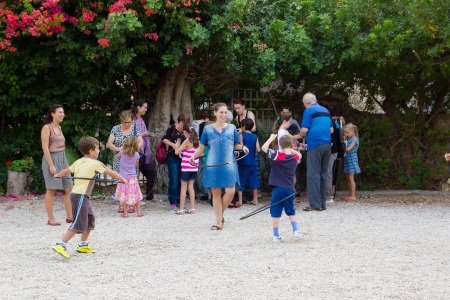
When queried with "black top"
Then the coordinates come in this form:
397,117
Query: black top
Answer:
172,134
336,146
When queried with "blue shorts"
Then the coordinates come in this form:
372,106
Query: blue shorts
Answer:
248,175
187,176
279,193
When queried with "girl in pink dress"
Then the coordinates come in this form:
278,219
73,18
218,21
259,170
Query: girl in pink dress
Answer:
188,171
129,193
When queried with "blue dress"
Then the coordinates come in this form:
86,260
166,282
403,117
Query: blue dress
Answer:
351,165
221,146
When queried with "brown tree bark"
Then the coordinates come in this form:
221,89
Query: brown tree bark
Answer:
173,97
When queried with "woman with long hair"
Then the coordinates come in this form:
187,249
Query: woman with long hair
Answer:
146,166
222,139
53,161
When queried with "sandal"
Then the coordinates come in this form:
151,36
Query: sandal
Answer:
191,211
215,227
120,210
131,209
180,212
124,215
140,213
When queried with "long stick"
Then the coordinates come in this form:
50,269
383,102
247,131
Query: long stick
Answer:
87,178
265,207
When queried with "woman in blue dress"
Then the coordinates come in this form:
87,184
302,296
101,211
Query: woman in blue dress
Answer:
222,139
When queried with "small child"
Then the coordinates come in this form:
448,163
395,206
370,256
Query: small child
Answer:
83,217
129,193
284,164
247,165
188,171
351,166
447,156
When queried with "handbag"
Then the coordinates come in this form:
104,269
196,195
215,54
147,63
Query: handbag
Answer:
161,150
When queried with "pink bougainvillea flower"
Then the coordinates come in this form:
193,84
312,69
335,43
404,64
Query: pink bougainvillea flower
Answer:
104,42
94,55
152,36
88,16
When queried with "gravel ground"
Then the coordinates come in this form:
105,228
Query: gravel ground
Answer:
379,247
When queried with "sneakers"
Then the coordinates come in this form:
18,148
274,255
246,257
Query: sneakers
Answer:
85,249
173,208
297,234
277,239
61,250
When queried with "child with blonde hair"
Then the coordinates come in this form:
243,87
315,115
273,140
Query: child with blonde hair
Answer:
351,166
129,193
188,171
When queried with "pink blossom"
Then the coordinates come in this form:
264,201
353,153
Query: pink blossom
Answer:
104,42
88,16
152,36
198,19
95,55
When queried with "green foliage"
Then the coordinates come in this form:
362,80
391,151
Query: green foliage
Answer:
21,165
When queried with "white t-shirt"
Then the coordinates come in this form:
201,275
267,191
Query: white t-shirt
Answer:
281,132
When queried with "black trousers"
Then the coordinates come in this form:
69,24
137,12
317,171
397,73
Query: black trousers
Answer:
149,173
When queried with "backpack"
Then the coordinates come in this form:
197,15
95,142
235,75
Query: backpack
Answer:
161,150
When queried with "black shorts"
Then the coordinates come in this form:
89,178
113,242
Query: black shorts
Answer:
83,217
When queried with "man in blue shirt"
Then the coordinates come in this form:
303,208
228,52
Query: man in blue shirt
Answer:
316,126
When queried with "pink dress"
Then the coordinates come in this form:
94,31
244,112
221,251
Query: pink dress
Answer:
130,192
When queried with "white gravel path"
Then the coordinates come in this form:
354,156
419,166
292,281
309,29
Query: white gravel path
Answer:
350,251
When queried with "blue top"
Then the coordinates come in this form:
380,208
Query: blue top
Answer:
318,121
283,168
351,165
249,140
221,146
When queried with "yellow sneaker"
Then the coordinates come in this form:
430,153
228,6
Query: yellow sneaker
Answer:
61,250
85,249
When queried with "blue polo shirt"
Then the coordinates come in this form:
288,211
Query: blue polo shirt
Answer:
318,121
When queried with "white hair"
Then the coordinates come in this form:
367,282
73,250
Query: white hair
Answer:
309,98
229,116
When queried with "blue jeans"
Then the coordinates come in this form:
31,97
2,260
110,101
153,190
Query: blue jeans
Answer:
174,167
316,173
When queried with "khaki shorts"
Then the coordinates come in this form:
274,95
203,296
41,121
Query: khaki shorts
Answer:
83,217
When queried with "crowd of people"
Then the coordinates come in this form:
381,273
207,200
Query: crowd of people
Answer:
221,157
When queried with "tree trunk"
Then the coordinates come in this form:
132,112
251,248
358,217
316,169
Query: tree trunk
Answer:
173,97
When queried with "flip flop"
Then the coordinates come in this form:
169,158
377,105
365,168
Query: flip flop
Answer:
120,210
215,227
131,209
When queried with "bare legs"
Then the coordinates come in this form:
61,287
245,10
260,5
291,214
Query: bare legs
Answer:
67,203
48,200
255,197
351,186
221,203
71,233
189,187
